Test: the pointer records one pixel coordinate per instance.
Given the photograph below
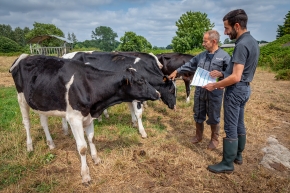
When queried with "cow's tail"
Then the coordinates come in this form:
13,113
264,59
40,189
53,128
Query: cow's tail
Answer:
22,56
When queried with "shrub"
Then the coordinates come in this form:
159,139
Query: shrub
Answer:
7,45
276,56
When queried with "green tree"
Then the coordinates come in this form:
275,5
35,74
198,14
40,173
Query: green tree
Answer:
105,37
169,47
69,36
228,41
45,29
145,45
133,42
19,35
74,38
6,31
285,28
190,29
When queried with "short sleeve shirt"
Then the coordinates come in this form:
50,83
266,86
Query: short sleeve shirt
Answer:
246,52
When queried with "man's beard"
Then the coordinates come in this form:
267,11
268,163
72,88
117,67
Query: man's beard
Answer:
233,34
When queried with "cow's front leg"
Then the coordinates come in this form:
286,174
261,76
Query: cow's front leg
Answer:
76,125
136,112
134,120
90,135
44,124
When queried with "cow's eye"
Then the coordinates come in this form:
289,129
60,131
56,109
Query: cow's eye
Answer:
141,81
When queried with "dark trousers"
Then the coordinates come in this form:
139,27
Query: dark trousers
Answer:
235,99
209,104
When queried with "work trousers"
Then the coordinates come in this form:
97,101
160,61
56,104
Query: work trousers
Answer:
235,98
208,104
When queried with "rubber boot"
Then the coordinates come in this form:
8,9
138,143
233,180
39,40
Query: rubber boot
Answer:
241,147
199,132
230,148
215,132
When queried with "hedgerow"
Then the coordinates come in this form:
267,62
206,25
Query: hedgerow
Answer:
276,56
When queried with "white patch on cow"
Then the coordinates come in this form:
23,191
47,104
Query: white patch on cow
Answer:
137,60
67,86
133,69
275,153
72,54
69,55
158,63
22,56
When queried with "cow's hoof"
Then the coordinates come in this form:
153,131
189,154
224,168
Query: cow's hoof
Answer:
65,132
96,160
50,145
144,136
29,147
86,180
134,124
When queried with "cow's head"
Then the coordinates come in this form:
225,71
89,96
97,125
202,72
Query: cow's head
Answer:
135,87
168,92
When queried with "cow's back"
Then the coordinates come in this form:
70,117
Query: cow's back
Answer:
172,61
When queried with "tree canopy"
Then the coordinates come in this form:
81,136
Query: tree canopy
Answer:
17,35
285,28
105,37
133,42
46,29
190,29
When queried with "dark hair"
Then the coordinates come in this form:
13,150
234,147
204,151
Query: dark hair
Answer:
237,16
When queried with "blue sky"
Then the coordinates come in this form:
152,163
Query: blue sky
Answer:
152,19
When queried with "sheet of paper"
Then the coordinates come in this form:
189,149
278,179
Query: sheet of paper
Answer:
202,77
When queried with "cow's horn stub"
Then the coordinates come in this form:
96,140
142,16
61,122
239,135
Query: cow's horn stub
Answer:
165,78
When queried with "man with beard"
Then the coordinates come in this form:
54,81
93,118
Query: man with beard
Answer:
237,78
207,103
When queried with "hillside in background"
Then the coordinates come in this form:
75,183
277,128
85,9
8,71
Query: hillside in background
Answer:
276,56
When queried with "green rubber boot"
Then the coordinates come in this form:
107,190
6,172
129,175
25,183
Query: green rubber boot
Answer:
241,147
230,148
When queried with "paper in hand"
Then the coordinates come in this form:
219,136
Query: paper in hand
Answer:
202,77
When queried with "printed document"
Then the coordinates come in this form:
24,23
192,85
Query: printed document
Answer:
202,77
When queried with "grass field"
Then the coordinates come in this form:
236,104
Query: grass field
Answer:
164,162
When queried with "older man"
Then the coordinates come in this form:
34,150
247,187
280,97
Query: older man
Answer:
207,103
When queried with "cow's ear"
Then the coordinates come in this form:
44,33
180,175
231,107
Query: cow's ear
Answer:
165,78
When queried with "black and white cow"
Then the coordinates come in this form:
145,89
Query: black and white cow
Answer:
60,87
172,61
148,69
